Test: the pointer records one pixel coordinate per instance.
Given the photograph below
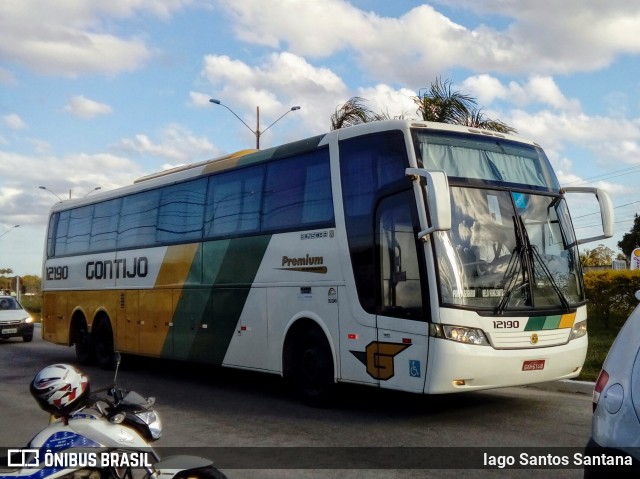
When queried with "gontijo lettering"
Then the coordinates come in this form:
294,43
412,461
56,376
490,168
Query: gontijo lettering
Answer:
138,268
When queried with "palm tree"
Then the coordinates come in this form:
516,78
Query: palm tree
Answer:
353,112
437,103
477,119
440,103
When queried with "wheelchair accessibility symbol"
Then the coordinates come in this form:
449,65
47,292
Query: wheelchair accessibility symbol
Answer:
414,368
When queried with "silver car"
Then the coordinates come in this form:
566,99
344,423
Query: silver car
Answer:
15,321
615,436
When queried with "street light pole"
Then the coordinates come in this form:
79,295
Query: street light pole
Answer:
257,131
12,228
47,189
87,194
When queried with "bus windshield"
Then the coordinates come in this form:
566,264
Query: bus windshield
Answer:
512,246
509,251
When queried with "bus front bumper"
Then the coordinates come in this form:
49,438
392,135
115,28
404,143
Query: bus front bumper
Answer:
457,367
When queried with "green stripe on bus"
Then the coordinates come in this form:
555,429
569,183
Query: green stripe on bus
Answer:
206,317
543,322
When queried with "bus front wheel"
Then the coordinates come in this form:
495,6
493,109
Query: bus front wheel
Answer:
102,339
313,369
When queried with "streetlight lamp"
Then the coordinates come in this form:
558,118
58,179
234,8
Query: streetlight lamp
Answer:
91,191
13,227
257,131
87,194
47,189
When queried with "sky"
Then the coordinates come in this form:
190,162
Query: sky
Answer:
94,94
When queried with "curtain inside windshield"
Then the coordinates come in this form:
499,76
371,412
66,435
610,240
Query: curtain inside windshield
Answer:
465,156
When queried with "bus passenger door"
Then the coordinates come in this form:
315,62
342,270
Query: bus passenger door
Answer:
402,343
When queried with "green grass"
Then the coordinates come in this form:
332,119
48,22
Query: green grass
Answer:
33,304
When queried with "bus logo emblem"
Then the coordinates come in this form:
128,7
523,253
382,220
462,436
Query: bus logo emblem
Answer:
534,338
379,357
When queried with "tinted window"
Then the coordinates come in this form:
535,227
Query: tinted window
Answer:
79,230
51,248
104,230
234,202
181,212
138,219
370,166
61,233
298,192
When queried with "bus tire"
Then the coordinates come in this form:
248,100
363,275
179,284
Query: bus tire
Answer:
102,342
312,369
82,341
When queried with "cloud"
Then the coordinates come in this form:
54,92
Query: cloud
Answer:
543,36
538,90
280,81
74,38
83,107
14,121
176,146
20,198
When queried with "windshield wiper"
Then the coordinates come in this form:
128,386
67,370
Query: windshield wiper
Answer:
525,255
519,257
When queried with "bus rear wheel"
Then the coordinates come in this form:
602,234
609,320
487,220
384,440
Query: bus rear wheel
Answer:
102,339
313,369
82,341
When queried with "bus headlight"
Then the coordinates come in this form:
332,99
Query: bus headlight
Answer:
579,330
460,334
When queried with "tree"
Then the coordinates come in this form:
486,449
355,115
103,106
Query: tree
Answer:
599,256
32,283
353,112
437,103
631,240
441,103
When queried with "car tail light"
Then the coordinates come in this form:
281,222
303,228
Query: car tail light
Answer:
603,378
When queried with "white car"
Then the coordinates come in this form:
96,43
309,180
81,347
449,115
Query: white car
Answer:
615,432
15,321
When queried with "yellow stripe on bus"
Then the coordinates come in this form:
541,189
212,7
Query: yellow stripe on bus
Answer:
176,265
567,320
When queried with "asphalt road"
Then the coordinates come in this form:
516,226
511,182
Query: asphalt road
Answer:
228,414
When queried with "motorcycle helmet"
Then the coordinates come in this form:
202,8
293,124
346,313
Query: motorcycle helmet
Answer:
60,389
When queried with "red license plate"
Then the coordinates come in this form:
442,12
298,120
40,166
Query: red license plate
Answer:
535,365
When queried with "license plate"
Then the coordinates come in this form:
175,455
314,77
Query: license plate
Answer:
9,331
535,365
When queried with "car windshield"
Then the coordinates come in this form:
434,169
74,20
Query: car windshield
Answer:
508,250
9,304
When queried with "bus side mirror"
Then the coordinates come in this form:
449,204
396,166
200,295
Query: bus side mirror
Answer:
607,215
437,200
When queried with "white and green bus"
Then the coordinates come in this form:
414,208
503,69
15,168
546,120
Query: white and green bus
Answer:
414,256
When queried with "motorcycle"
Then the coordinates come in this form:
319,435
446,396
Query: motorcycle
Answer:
106,437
